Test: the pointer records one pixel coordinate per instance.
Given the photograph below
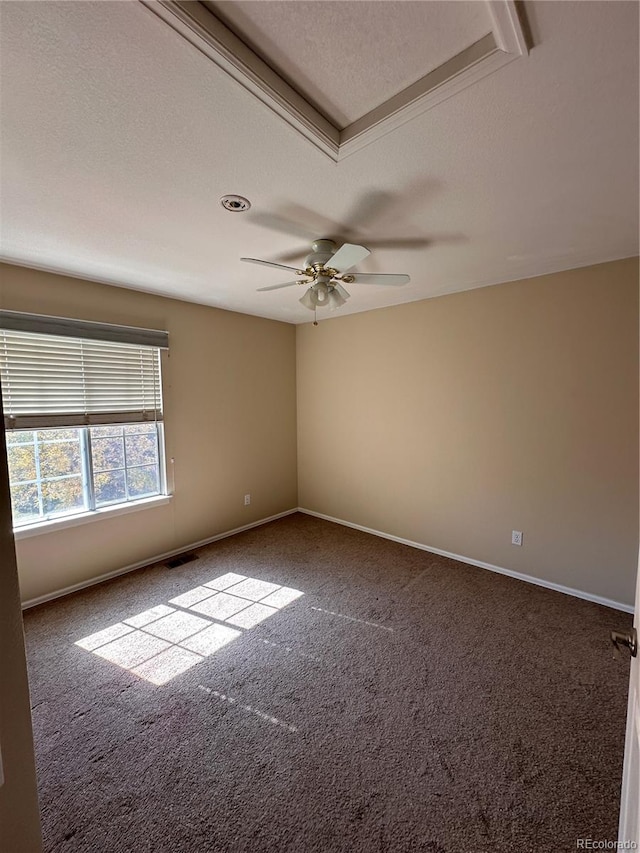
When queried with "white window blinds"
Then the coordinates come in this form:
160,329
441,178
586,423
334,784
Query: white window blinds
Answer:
60,380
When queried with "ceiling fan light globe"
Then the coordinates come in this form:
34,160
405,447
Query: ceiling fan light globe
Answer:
321,292
335,300
308,300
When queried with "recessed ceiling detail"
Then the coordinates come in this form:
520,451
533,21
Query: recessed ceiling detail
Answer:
345,57
331,124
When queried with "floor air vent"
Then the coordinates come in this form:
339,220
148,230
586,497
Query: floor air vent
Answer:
180,560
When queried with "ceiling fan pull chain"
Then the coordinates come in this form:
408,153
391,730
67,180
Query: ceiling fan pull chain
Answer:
315,315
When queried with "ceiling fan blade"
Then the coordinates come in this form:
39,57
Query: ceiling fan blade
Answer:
407,243
272,264
312,221
347,256
295,254
342,290
282,224
370,207
379,278
277,286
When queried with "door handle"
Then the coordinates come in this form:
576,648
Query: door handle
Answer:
625,638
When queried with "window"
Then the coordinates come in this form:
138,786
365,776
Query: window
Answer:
57,472
83,413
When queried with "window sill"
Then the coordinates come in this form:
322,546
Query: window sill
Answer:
55,524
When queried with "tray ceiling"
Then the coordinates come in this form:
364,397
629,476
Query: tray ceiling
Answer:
121,133
399,58
380,48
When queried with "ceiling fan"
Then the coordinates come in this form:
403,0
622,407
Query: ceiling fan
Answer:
327,271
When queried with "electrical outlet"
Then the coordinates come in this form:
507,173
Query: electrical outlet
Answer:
247,501
516,537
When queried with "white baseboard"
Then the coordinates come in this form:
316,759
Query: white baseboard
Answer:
587,596
576,593
151,560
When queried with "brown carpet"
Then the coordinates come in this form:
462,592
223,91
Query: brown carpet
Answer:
404,703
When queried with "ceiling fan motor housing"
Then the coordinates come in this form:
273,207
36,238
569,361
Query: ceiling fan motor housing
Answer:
322,251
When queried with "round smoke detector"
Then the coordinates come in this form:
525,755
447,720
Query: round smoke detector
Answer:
235,203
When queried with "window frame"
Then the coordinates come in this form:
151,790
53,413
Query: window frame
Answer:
87,473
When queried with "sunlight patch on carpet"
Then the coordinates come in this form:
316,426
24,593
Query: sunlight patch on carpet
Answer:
132,649
105,636
221,606
150,615
166,665
225,581
163,642
251,616
214,637
193,596
177,627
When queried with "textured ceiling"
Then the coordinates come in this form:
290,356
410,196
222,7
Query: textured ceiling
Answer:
118,139
380,48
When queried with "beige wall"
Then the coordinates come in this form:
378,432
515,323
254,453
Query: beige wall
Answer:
448,422
19,818
454,420
230,419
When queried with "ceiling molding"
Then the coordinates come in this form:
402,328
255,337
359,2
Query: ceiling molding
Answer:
210,36
454,75
200,27
507,27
